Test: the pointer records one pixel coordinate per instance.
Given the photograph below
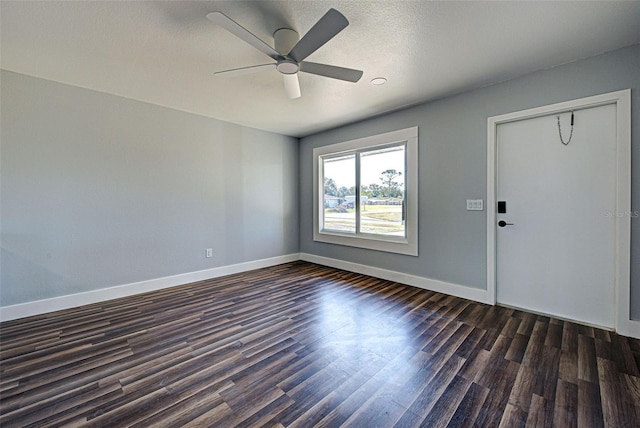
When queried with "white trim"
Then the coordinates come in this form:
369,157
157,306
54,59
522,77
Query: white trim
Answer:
7,313
39,307
73,300
622,100
587,324
408,245
449,288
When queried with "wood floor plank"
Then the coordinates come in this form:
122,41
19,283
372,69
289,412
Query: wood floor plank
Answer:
302,345
616,403
503,376
445,407
517,348
568,369
527,383
513,416
589,405
390,378
426,400
565,413
470,406
587,364
336,406
537,415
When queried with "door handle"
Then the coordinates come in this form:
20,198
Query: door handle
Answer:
503,223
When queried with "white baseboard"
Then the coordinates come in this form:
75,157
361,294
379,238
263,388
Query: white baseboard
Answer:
629,328
38,307
457,290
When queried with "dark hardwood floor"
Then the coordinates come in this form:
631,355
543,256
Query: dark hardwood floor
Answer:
305,345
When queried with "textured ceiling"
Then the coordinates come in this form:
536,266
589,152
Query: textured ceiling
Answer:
165,52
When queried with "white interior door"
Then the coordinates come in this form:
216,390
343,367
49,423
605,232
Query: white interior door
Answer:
558,256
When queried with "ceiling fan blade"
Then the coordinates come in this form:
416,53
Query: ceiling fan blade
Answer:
340,73
246,70
324,30
291,85
239,31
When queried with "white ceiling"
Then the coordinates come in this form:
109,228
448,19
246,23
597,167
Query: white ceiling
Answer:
165,52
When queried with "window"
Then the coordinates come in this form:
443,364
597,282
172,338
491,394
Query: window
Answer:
366,192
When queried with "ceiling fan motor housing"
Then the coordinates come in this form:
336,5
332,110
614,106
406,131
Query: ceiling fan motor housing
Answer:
284,40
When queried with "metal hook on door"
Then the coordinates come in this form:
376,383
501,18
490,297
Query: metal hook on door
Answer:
566,143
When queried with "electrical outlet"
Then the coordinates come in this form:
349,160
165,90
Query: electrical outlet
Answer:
209,252
475,205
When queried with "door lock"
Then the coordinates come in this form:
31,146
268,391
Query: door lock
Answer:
503,223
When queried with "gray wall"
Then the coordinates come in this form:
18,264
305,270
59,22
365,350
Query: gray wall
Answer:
452,159
98,191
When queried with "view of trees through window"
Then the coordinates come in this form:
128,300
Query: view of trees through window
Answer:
381,190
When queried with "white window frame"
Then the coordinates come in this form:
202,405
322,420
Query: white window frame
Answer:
407,245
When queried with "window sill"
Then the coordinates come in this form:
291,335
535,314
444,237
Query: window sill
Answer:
400,245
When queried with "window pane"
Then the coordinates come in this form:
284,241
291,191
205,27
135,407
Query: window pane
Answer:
382,181
339,193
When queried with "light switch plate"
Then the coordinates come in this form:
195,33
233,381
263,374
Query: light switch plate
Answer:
475,205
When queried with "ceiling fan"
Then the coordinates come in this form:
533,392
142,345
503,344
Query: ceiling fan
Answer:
290,51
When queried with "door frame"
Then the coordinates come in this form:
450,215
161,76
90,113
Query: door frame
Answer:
622,100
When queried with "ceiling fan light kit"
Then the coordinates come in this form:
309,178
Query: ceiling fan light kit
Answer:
290,51
287,66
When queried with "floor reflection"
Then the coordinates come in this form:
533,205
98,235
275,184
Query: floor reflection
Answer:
351,330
